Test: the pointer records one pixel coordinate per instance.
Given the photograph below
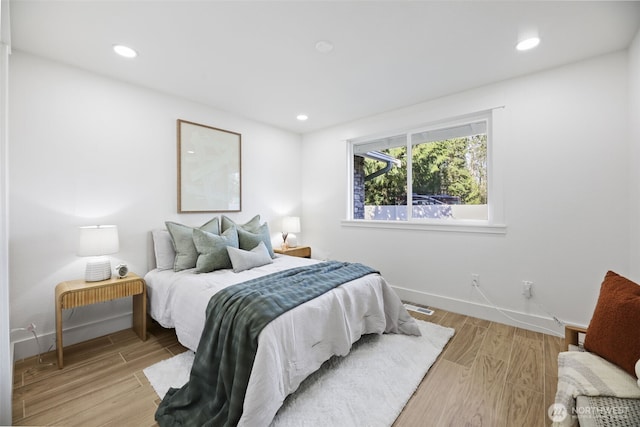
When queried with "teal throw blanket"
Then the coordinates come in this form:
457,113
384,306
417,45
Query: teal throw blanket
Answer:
214,395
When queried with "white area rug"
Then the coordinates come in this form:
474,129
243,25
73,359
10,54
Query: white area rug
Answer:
368,387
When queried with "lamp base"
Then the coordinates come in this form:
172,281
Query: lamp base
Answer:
292,240
98,270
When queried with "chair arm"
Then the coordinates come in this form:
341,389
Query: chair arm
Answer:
571,334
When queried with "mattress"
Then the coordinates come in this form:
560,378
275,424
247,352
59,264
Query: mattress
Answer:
179,299
296,343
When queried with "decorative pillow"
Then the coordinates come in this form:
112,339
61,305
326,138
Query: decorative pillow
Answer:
212,249
252,225
249,240
245,260
182,238
613,331
163,249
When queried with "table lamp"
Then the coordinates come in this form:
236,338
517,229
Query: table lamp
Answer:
290,225
97,241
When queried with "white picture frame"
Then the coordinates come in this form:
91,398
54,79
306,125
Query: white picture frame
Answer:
209,169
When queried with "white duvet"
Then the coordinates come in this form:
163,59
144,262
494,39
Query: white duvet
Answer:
295,344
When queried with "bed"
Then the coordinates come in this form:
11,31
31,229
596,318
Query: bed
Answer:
293,345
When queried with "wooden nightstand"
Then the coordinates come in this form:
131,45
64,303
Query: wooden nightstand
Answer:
77,293
299,251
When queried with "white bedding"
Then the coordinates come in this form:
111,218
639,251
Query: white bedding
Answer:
292,346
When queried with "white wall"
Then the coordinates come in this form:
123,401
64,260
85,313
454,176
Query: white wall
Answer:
634,157
566,192
86,150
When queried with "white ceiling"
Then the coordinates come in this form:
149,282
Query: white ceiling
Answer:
258,59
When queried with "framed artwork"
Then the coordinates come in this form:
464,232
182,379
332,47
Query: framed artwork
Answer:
209,172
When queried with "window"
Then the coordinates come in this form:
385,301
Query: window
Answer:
440,171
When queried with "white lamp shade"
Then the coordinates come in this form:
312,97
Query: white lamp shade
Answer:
291,224
96,240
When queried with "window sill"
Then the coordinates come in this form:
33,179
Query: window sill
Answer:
481,227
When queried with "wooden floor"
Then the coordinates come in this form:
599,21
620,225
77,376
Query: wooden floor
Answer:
489,374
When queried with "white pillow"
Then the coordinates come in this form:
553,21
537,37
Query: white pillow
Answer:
638,371
163,249
244,260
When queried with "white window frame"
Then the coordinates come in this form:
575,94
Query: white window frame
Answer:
495,224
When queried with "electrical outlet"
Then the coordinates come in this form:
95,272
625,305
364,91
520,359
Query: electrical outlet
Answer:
526,288
475,280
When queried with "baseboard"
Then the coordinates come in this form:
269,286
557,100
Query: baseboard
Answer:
28,347
482,311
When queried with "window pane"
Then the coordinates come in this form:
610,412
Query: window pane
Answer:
380,180
449,176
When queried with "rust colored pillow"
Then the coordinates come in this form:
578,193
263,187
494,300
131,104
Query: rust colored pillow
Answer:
614,330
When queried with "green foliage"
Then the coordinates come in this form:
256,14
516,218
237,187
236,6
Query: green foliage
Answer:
390,188
457,167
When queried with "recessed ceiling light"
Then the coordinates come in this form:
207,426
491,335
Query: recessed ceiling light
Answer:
125,51
324,46
302,117
529,43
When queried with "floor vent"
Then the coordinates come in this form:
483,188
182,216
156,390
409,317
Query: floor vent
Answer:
422,310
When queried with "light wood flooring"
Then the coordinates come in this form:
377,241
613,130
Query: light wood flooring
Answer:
489,374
